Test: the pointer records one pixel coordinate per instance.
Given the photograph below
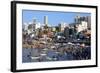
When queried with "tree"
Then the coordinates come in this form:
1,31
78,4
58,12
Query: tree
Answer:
57,29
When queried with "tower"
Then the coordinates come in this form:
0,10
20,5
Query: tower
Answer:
77,19
34,24
89,21
46,20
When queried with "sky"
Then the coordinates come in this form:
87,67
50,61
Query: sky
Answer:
54,18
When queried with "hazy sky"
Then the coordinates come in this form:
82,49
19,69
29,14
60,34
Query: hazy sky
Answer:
54,18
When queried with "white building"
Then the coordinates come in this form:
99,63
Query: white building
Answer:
62,26
82,22
25,26
82,26
37,25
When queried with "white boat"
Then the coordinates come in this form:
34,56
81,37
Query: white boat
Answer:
35,57
43,54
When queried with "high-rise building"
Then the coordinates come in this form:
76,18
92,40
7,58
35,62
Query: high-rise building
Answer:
66,32
46,20
89,22
34,24
79,20
83,23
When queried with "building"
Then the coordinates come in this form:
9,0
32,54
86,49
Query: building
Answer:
89,22
82,23
25,26
70,32
66,32
46,20
35,24
54,29
62,26
79,20
29,28
82,26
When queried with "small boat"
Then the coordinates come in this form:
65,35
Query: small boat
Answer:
35,57
43,54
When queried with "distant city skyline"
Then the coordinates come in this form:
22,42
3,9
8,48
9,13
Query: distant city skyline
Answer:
54,18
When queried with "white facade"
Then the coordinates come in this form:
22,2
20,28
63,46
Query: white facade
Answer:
38,25
25,26
82,26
